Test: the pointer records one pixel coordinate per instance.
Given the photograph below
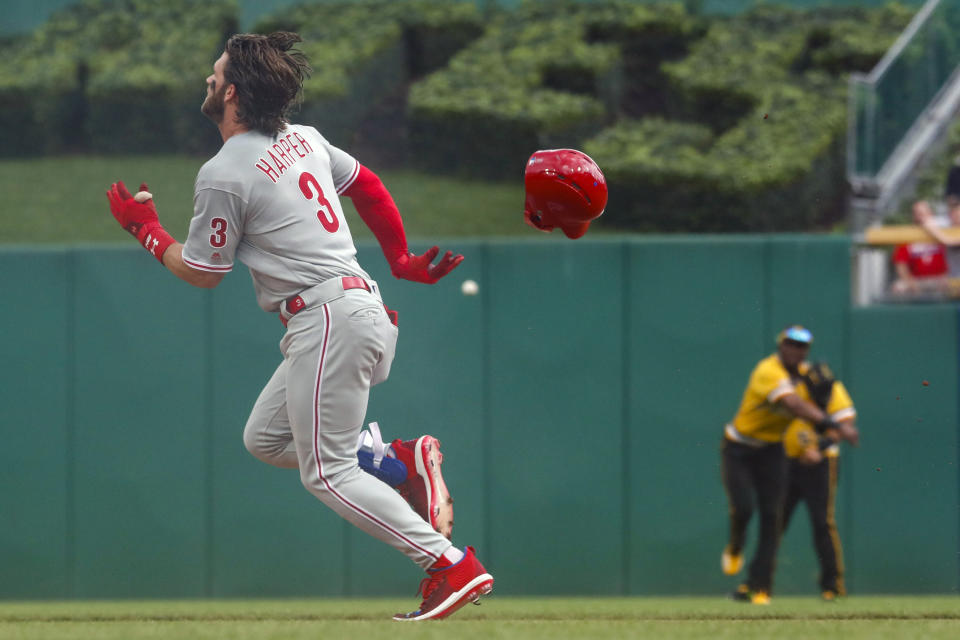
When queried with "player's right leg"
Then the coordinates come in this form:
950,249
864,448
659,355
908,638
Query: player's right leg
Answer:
267,433
738,483
412,466
333,353
796,479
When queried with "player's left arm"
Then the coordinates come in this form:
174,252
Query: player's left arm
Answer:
804,409
848,431
379,212
930,226
138,215
841,409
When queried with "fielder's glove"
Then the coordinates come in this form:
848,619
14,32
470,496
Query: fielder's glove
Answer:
827,425
819,382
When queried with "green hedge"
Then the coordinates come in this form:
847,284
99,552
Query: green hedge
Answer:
768,96
117,75
114,76
148,76
733,124
540,76
40,88
434,30
362,52
37,107
648,36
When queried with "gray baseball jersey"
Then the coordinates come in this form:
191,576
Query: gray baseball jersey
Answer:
272,204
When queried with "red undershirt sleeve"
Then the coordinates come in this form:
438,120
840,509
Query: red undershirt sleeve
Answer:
379,213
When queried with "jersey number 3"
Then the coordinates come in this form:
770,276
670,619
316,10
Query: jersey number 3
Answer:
326,216
219,236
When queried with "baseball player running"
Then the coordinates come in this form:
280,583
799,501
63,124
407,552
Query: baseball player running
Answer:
269,199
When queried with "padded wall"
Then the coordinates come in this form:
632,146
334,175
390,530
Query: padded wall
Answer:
579,397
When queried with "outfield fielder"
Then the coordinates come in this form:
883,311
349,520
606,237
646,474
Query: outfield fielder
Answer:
269,199
753,463
813,472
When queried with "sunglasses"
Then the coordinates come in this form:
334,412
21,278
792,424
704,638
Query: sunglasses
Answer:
798,334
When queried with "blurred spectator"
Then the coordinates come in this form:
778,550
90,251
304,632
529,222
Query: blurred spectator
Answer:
950,217
921,267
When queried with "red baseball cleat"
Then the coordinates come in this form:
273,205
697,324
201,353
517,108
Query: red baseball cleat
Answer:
446,590
424,488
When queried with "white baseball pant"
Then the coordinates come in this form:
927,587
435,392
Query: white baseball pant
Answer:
310,414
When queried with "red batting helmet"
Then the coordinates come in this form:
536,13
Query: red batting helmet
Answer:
565,189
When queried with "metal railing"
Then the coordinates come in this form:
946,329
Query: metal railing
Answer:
886,103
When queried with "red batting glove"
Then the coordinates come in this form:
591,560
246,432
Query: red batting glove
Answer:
418,268
128,212
140,219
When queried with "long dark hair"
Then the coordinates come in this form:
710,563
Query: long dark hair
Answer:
268,74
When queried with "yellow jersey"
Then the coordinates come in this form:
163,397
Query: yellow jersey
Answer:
760,419
801,435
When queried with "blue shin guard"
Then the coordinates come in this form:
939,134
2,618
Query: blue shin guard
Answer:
391,470
373,458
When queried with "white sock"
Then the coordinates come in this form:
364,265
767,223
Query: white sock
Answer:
453,555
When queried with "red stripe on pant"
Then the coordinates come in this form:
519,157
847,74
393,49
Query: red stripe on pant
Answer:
316,446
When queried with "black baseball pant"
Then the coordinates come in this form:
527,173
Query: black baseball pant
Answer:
755,475
816,485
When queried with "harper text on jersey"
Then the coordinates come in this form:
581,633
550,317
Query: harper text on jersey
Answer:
283,154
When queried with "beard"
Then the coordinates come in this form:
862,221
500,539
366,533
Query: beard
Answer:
213,105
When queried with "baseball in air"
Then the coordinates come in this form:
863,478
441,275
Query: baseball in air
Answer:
469,288
143,196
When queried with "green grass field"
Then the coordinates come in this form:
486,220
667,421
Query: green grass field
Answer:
507,617
62,200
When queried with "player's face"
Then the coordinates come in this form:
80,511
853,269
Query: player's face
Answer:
792,353
213,104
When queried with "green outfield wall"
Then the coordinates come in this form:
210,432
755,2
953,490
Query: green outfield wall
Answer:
580,398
